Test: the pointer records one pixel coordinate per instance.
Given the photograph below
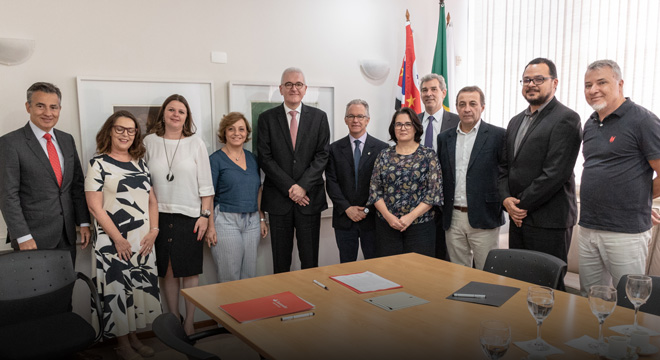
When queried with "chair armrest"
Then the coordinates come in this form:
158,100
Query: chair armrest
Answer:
97,303
207,333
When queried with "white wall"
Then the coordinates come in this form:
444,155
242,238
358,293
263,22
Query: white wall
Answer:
173,40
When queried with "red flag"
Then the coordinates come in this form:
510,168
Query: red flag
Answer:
408,84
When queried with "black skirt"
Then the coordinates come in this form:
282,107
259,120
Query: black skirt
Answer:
176,242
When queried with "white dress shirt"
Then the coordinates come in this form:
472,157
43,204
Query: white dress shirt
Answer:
464,145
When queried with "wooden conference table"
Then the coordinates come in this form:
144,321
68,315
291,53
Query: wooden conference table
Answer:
347,327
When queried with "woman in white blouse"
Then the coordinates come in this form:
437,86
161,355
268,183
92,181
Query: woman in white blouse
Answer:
181,176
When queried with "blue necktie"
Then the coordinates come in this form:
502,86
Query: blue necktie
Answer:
356,160
428,137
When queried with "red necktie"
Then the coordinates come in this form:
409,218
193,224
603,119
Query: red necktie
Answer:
54,159
293,129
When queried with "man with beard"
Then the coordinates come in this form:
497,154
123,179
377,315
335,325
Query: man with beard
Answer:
621,152
537,185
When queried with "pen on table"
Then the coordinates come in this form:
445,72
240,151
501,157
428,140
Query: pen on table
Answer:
297,316
475,296
321,285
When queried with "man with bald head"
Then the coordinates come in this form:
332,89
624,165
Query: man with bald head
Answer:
291,145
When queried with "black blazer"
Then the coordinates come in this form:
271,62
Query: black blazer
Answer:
340,180
30,199
285,167
484,205
541,174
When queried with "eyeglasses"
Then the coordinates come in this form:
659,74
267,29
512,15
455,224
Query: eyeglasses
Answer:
404,126
538,80
120,130
359,117
289,84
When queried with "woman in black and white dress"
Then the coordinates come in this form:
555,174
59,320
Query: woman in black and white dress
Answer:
119,195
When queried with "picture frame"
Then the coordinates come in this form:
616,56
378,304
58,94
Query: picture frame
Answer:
253,98
99,97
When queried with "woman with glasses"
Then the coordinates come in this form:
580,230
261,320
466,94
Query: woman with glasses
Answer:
405,186
181,174
239,222
119,195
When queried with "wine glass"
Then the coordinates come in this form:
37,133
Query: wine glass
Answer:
495,337
540,300
638,289
602,301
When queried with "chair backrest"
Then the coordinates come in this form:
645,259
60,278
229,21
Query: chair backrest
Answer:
34,284
652,305
169,330
527,265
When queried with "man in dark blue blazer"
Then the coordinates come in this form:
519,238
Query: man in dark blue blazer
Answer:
537,185
348,184
470,157
292,149
42,196
434,121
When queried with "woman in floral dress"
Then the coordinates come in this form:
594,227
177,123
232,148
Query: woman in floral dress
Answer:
405,186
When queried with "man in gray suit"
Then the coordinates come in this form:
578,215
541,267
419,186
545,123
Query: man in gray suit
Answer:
42,196
434,121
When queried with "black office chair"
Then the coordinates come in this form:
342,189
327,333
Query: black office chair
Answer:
527,265
169,330
36,321
652,305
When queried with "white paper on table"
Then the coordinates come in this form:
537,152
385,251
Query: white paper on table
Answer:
529,347
584,343
366,282
625,329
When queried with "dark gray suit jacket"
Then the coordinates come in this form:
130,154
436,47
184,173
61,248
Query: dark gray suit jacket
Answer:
340,180
30,199
484,205
284,167
541,173
449,121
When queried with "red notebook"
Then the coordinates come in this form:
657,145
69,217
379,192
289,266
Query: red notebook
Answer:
266,307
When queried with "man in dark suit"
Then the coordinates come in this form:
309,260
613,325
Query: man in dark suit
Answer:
350,164
470,157
537,185
42,196
434,121
292,152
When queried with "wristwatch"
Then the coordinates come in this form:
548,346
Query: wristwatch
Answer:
206,213
366,210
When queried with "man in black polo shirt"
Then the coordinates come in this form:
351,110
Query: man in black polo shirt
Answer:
621,150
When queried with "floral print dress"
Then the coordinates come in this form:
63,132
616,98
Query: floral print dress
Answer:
405,181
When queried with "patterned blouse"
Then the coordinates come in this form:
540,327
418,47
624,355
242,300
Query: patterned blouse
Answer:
405,181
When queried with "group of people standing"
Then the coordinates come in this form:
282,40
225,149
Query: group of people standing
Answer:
440,190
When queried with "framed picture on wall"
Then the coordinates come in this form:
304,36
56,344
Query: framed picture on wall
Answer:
251,99
98,98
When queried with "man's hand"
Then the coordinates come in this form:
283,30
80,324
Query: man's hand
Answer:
85,235
655,217
355,213
517,214
28,245
298,195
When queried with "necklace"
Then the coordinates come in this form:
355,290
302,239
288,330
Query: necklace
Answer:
235,158
170,176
